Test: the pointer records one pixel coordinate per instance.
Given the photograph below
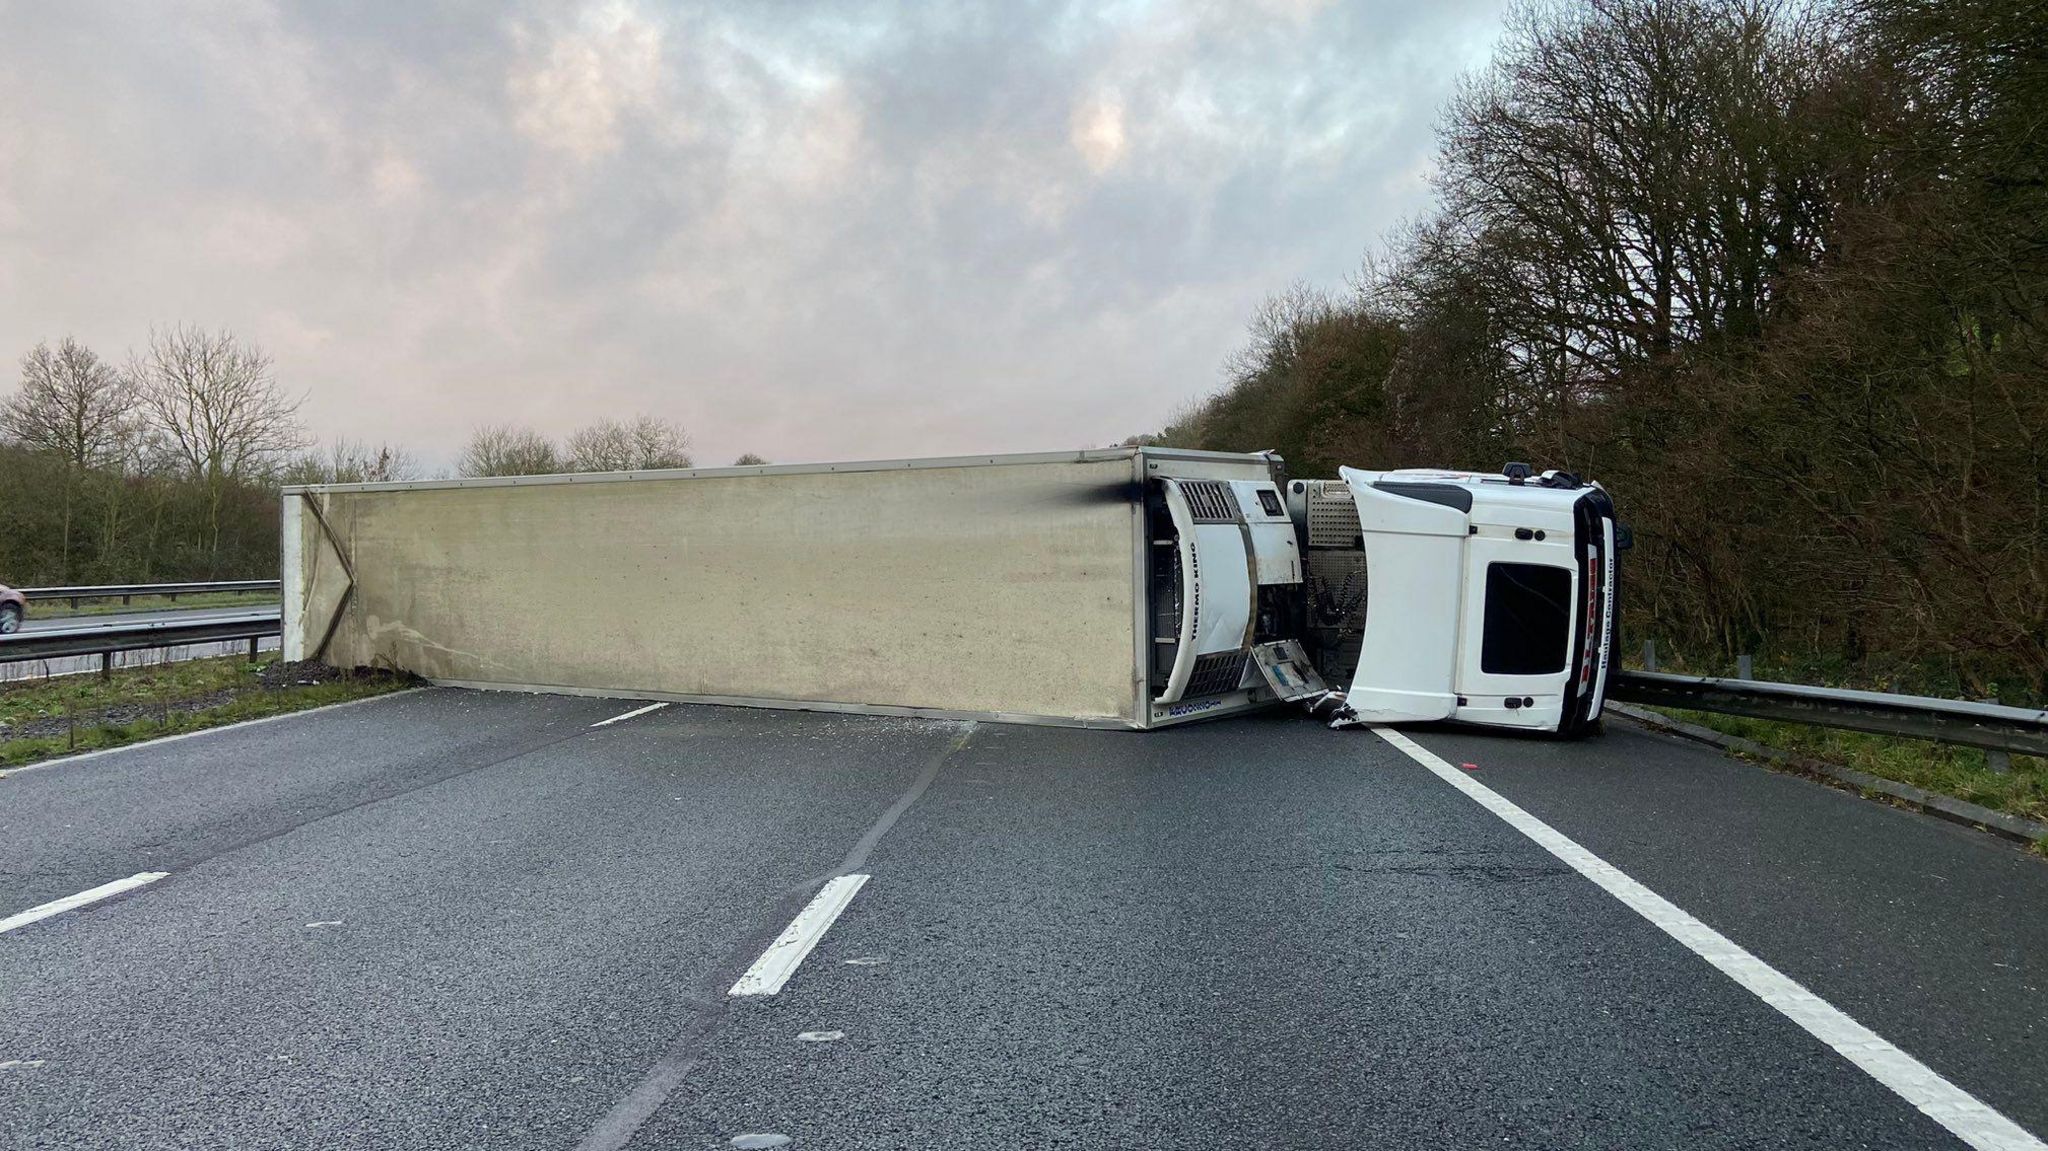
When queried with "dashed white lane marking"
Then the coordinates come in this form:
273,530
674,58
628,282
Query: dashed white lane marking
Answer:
780,961
630,714
1967,1117
94,895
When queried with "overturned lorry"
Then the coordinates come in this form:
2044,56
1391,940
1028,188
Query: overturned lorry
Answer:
1126,587
1438,595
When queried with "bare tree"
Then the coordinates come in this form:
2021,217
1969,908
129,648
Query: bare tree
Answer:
349,461
644,443
75,405
70,402
214,405
749,460
506,450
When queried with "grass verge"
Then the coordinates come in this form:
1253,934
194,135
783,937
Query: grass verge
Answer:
1961,772
62,609
42,719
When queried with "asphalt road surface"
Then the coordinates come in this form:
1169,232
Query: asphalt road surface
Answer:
448,919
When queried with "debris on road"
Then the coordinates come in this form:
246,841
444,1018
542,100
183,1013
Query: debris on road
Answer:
294,672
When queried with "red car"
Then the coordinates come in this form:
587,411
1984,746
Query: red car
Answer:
13,605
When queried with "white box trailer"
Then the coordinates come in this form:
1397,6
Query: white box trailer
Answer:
1129,587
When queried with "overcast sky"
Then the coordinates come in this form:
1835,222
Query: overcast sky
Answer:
812,231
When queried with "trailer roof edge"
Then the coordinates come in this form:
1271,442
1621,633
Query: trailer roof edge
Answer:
1084,455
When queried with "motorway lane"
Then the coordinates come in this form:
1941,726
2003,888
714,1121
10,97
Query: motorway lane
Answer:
1253,934
1246,932
169,805
485,961
37,622
1932,934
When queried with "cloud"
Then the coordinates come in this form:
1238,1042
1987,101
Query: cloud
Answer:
811,230
588,78
1098,132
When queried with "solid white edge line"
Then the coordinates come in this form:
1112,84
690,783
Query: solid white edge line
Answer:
94,895
1964,1115
780,960
630,714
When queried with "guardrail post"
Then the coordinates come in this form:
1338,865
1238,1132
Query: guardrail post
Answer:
1742,667
1649,655
1997,759
106,665
252,648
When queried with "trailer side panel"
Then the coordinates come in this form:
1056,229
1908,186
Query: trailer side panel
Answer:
1000,588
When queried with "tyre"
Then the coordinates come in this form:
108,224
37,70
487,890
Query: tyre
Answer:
10,618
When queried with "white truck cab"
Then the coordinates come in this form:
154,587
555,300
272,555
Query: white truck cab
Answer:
1486,599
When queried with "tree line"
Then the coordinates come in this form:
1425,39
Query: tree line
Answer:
1777,274
157,469
642,443
167,466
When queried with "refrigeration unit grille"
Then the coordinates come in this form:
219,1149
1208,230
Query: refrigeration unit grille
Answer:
1217,673
1210,501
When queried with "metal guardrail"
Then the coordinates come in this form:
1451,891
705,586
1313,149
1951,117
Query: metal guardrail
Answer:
128,591
104,639
2016,730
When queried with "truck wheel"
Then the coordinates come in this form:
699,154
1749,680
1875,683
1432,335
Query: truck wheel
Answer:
10,619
